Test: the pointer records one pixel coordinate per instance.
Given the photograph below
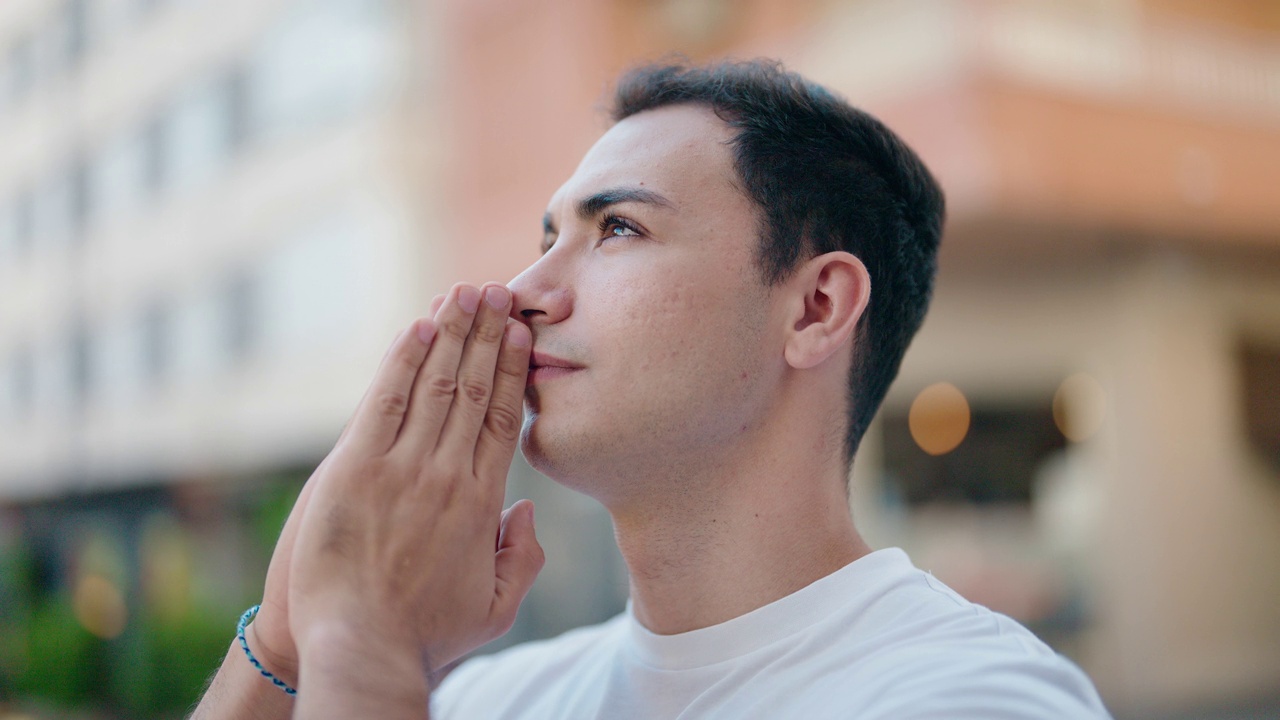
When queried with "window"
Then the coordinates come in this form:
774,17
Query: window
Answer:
80,195
156,343
241,310
194,137
326,60
22,378
117,178
23,220
6,234
155,153
22,68
76,19
235,93
53,211
196,339
318,282
80,364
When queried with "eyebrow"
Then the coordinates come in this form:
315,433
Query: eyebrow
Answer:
591,205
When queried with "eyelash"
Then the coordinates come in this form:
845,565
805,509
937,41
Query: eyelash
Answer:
610,221
606,222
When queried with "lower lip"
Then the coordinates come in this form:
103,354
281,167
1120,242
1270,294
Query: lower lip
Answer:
549,372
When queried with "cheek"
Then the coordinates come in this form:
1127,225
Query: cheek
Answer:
678,324
657,319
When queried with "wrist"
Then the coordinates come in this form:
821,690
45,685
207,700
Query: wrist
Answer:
278,664
362,639
364,661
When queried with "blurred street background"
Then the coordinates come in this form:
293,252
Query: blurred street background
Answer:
215,216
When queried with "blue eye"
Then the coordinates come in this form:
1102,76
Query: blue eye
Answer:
612,226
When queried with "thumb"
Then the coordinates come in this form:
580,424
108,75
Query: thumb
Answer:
517,563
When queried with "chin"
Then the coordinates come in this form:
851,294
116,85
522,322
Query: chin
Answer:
557,456
534,447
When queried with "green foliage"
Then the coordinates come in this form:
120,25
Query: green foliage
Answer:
158,667
58,659
162,668
274,501
155,669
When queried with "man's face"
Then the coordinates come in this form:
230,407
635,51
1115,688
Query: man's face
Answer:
650,288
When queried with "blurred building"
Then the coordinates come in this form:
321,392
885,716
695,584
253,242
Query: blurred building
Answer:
215,216
209,212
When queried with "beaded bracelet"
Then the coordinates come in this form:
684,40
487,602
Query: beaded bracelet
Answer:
244,621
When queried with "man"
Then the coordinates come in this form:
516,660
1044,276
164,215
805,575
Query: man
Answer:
729,282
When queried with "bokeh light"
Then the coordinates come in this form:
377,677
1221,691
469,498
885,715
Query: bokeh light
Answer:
166,569
99,606
939,418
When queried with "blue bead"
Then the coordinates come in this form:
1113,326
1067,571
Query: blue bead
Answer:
244,622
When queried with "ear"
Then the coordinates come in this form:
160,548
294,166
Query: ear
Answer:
830,293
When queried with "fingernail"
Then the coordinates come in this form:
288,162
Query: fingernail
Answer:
518,335
469,299
496,297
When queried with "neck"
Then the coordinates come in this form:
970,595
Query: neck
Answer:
724,544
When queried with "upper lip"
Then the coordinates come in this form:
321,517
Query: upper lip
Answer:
540,359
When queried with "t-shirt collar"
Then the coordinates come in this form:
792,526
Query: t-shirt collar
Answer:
765,625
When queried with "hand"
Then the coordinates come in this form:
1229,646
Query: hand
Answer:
397,539
268,635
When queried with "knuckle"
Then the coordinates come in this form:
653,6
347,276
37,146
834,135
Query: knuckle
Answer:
475,390
407,363
456,329
441,386
513,370
391,403
503,421
491,332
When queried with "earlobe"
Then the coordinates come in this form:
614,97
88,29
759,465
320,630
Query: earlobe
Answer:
832,292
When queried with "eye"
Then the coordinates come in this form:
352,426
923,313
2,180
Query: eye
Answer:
612,226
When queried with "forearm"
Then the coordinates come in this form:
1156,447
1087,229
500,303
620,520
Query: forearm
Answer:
238,691
347,676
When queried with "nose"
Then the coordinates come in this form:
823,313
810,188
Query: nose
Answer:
540,294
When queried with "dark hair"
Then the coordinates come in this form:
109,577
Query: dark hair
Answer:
827,177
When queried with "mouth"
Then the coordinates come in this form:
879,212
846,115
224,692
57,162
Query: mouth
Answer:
544,367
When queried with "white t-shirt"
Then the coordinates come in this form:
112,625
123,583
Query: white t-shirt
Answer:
877,639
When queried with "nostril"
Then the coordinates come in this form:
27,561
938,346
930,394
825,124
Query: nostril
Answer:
528,313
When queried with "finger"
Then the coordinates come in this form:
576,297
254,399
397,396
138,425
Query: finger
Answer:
436,302
502,526
516,565
279,565
436,384
497,442
380,417
476,373
345,428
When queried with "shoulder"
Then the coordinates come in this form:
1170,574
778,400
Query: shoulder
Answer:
966,681
532,667
928,652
